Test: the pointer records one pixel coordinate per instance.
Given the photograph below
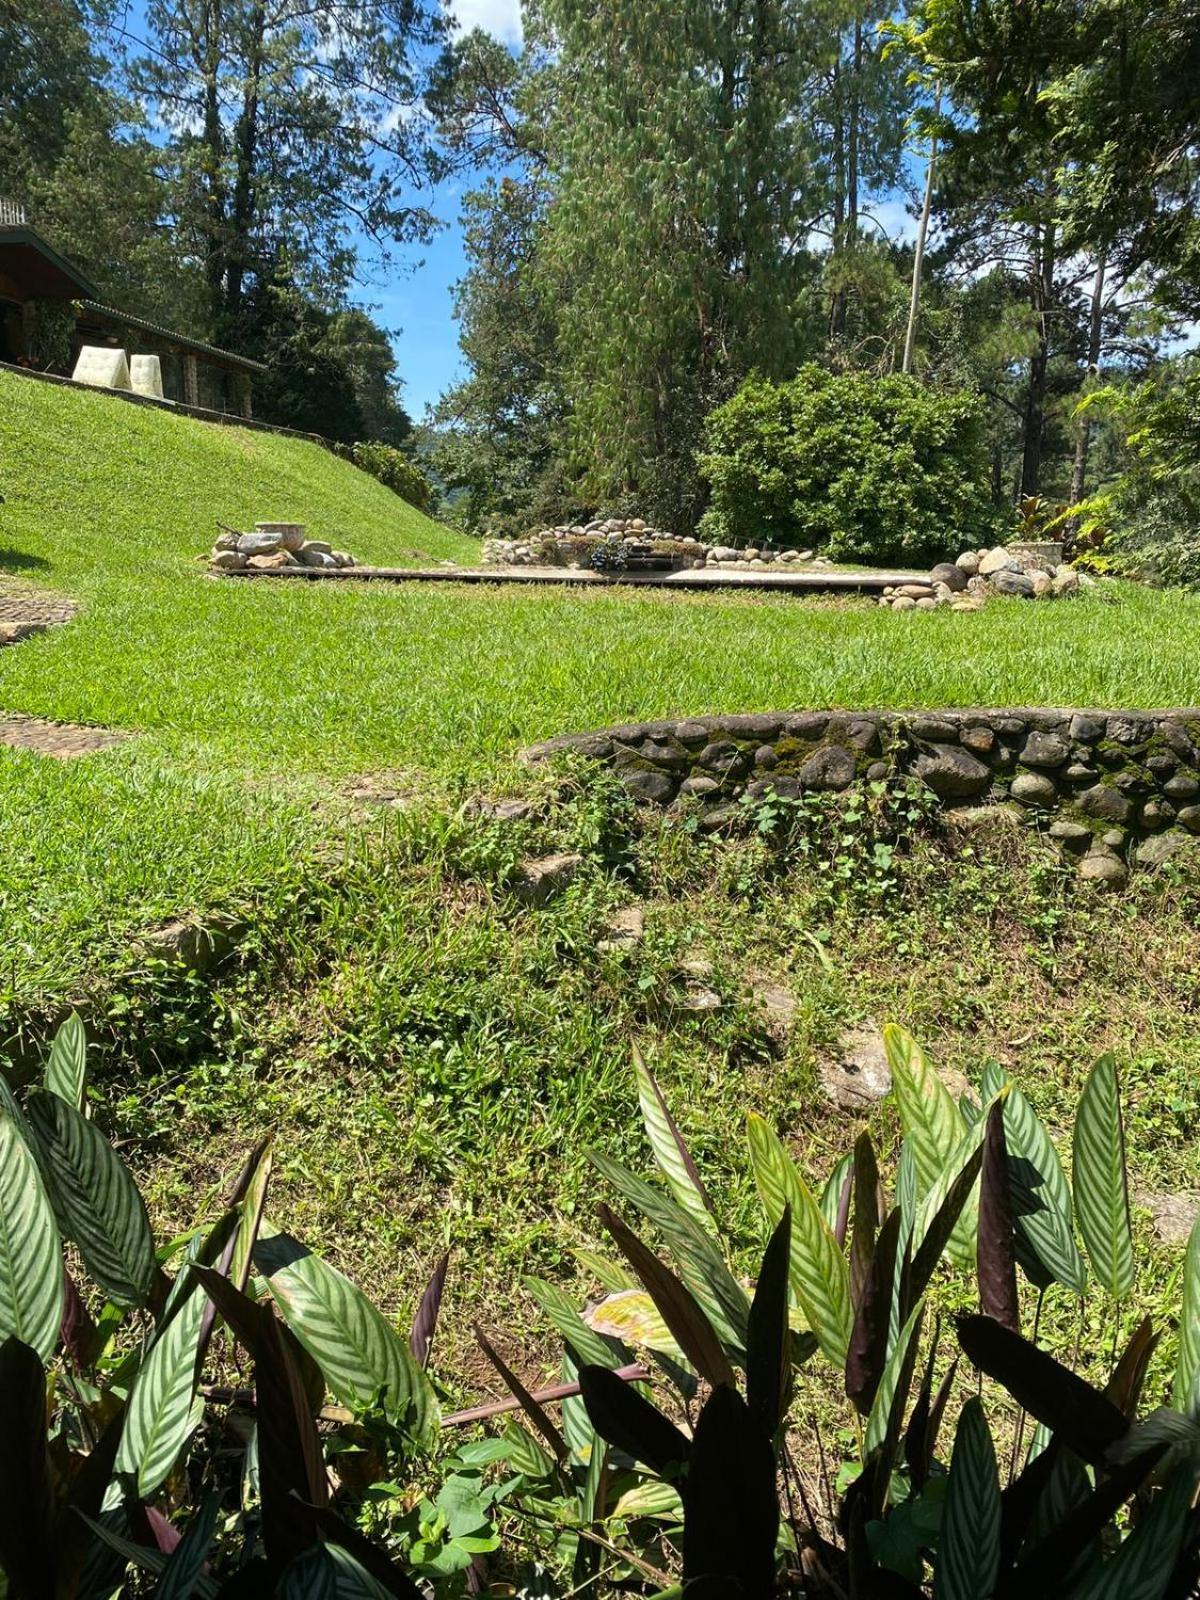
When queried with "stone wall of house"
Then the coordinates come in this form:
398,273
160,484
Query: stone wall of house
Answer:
1110,787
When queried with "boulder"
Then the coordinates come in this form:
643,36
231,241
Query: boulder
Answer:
1161,847
1066,581
1044,750
289,534
1172,1216
1102,867
646,783
1105,803
952,773
998,560
831,768
858,1076
951,574
624,929
271,563
1034,789
1013,582
968,563
259,544
1043,585
228,560
538,881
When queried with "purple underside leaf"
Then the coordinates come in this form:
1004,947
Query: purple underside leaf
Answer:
425,1322
996,1255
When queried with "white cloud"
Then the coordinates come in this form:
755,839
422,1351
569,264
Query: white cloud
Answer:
501,17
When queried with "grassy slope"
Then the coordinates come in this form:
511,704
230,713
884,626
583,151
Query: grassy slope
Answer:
432,1057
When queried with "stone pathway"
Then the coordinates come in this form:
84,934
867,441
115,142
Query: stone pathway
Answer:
26,611
62,740
785,581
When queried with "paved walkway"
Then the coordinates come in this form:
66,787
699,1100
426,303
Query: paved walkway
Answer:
784,581
24,612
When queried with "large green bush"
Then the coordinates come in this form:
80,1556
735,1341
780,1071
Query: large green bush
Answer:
1149,516
399,472
859,467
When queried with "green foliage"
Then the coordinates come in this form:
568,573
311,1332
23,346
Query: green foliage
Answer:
861,468
117,1397
1148,517
397,471
945,1541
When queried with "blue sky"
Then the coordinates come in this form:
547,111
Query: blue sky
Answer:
418,301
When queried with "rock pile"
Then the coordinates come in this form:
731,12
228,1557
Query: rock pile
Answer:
271,546
614,542
1025,571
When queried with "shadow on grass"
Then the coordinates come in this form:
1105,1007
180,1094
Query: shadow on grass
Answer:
22,561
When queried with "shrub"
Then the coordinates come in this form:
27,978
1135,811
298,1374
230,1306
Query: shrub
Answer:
399,472
1150,515
107,1430
859,467
700,1472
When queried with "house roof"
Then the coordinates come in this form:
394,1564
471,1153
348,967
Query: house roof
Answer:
36,265
208,352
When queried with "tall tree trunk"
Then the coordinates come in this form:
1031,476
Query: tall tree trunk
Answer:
1095,334
837,306
1041,295
214,152
852,139
914,301
245,155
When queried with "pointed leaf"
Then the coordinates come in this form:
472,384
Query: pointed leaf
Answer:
31,1264
933,1125
697,1255
95,1199
28,1554
996,1257
867,1355
630,1423
730,1499
1186,1394
159,1414
292,1477
969,1547
590,1346
768,1339
834,1193
866,1214
1124,1388
66,1064
691,1328
1099,1180
420,1341
363,1359
674,1160
819,1275
1088,1422
532,1409
1039,1193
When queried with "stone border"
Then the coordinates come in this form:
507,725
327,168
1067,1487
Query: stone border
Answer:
1109,784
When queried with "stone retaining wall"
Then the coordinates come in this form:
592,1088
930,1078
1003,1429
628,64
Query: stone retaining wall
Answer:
1110,786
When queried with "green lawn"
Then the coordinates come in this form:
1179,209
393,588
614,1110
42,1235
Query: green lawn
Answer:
431,1056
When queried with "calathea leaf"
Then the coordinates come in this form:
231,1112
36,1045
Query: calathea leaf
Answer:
420,1340
1038,1191
28,1555
730,1500
159,1412
969,1547
1186,1393
1099,1179
1088,1422
996,1257
66,1064
363,1359
768,1341
31,1264
674,1159
631,1316
834,1195
630,1423
1143,1564
532,1409
95,1198
683,1316
178,1581
701,1265
819,1276
867,1355
933,1125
